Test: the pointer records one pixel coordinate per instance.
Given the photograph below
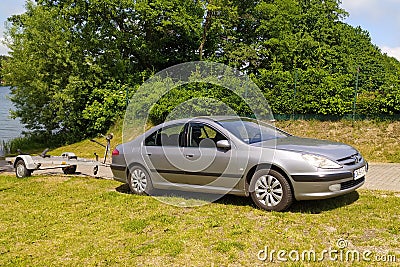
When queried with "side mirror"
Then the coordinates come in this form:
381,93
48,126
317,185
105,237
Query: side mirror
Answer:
224,144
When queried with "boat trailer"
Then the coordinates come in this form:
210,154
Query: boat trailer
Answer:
26,164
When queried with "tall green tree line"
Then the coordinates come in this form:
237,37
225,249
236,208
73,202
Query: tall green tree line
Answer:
2,61
72,60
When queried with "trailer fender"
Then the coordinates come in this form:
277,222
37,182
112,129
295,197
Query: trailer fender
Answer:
30,165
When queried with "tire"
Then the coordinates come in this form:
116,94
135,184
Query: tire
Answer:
69,170
20,169
270,190
139,181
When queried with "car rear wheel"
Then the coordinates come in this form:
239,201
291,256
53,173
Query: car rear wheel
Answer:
139,181
271,191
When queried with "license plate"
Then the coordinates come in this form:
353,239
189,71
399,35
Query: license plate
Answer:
361,172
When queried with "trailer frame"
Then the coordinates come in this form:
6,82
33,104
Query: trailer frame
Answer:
26,164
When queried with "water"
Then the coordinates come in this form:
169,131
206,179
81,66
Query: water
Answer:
9,128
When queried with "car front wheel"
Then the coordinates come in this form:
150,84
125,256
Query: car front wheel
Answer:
139,181
271,191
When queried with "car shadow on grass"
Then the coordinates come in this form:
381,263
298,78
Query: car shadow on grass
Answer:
306,206
309,206
318,206
124,189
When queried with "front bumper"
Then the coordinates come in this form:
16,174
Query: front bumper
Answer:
320,190
326,185
322,177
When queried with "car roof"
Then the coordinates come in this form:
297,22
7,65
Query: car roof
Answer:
214,119
202,118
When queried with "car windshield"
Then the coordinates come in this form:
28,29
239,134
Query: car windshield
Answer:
252,131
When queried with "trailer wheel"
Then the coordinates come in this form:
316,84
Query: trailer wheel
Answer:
69,170
20,169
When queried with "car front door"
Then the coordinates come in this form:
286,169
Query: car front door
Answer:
205,164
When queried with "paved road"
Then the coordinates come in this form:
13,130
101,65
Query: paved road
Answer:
381,176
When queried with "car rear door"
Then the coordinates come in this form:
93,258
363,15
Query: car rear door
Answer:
162,151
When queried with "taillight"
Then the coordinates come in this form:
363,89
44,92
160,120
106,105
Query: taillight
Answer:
115,152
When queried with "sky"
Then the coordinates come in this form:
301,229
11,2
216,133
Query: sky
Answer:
379,17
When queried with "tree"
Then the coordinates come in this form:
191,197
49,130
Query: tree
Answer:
2,62
70,57
73,61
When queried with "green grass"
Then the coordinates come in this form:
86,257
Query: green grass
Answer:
76,221
378,141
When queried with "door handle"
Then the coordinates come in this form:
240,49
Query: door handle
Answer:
149,154
189,155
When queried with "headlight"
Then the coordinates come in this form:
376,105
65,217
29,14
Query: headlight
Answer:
321,162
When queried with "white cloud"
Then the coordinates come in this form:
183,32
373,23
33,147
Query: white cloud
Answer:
11,7
3,48
7,9
392,51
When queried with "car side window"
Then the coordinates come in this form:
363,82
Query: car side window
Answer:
202,135
167,136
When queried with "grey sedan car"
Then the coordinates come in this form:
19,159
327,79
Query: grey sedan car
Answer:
241,156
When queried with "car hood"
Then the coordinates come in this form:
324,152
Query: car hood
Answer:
332,150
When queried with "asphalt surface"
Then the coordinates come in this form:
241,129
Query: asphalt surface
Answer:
380,176
383,176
